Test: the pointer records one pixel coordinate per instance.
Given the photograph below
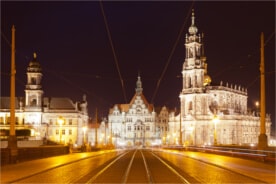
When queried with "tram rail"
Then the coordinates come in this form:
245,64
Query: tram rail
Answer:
137,166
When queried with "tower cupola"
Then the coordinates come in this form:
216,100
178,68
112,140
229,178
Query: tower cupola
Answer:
139,88
193,28
34,65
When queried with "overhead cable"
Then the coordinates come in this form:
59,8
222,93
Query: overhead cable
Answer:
113,51
171,54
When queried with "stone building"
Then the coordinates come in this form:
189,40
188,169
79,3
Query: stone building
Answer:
211,114
57,119
137,123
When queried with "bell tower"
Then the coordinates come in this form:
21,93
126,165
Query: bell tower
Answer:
33,89
194,64
194,74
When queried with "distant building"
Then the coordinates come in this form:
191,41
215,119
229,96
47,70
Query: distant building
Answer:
56,119
137,123
211,114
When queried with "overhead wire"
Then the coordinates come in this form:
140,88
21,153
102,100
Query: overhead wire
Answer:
113,51
5,38
171,53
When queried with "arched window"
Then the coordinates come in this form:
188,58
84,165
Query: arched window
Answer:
190,105
33,80
33,102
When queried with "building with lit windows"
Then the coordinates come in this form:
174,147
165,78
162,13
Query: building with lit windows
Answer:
57,119
137,123
211,114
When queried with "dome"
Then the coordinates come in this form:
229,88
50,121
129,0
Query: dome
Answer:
192,30
34,65
207,80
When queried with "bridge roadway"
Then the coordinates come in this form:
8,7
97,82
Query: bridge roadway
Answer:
139,166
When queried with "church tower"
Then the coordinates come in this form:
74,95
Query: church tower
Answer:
194,73
33,89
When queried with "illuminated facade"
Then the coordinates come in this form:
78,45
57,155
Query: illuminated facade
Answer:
137,123
57,119
211,114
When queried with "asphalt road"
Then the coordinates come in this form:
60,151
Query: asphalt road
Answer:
139,166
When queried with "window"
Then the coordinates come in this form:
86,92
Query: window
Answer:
129,128
70,132
57,131
70,122
33,102
147,127
190,105
33,80
63,132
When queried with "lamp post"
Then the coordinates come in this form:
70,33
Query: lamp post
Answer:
192,137
215,121
257,104
60,122
12,141
174,138
262,140
180,128
84,128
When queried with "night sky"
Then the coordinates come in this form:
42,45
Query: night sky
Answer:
73,47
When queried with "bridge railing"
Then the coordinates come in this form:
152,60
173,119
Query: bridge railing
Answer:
263,155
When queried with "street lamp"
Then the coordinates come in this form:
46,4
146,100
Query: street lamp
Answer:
174,136
215,121
60,122
257,104
84,128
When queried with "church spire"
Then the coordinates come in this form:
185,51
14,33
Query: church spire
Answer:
139,88
193,28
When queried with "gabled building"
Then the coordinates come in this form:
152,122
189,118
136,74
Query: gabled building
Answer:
137,123
57,119
211,114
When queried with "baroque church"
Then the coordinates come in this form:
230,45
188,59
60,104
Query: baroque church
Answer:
52,118
211,114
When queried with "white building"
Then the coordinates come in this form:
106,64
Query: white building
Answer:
211,114
57,119
137,123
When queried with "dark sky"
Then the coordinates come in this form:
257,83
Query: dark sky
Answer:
72,45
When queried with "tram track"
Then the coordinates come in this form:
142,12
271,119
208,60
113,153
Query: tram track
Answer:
139,166
138,171
205,163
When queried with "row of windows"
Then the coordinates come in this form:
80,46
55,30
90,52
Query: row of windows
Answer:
146,119
163,129
51,121
63,132
162,120
138,128
54,122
